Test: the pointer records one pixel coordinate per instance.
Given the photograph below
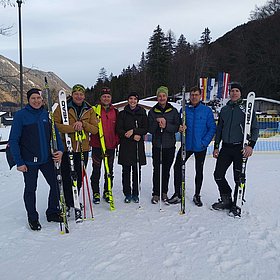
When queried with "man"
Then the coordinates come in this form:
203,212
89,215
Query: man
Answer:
200,129
82,121
163,123
230,132
108,119
29,142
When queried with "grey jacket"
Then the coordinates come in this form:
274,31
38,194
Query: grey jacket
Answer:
167,136
230,128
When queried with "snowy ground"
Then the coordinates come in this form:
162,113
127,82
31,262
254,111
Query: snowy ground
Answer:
146,244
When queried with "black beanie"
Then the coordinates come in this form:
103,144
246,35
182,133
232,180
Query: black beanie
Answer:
133,93
105,90
236,85
33,90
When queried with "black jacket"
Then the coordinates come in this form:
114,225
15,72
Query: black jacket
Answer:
138,121
167,137
230,128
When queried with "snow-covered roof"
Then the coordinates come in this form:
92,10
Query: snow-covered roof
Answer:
267,100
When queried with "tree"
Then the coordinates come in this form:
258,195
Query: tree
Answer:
205,38
157,60
269,9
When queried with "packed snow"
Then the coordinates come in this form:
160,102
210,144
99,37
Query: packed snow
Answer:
145,244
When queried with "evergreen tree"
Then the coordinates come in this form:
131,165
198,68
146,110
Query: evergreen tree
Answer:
205,38
157,60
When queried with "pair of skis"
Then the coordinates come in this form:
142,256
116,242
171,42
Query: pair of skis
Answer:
105,157
77,206
247,136
64,228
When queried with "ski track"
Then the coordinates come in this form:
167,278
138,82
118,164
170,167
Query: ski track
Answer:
132,243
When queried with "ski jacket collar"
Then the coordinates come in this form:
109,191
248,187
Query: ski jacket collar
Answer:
158,109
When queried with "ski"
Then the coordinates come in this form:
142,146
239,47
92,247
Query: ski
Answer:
106,162
64,228
246,139
73,174
183,153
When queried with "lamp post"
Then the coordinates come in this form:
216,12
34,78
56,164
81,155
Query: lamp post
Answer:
19,2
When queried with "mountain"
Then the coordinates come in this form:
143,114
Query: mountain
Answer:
9,81
250,53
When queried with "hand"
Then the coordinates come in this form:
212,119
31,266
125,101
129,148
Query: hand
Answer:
57,156
161,122
247,151
22,168
128,133
78,126
137,137
182,128
216,153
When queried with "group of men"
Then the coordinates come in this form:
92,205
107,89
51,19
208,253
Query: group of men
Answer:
31,131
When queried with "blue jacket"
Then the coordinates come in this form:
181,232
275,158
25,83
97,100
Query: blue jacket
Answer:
30,137
201,127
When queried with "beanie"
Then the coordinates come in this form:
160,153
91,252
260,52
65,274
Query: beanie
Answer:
133,93
105,90
32,91
162,89
78,87
236,85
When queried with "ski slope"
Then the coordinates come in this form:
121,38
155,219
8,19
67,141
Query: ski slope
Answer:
147,244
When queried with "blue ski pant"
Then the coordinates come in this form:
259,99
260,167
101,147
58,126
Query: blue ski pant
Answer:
29,195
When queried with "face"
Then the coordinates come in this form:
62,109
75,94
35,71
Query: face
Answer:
105,99
78,97
132,102
235,94
35,101
162,99
195,97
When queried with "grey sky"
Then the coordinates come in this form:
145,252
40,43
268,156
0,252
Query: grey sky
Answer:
75,39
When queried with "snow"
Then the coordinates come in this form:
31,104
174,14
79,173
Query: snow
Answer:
146,244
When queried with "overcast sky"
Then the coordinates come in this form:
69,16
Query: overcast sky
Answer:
75,39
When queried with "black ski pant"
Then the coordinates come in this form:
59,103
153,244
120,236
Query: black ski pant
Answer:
229,153
97,158
126,175
29,195
167,160
199,163
66,175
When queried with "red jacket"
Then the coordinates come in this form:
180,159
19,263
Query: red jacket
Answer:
109,120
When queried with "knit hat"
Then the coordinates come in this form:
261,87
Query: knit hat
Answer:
78,87
133,93
32,91
105,90
236,85
162,89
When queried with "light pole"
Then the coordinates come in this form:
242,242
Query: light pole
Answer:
19,2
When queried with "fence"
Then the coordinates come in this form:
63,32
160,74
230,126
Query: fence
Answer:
269,137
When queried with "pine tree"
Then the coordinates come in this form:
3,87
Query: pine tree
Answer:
157,60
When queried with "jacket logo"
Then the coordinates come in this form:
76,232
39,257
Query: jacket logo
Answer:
65,117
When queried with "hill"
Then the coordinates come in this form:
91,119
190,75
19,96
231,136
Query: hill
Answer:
250,53
9,80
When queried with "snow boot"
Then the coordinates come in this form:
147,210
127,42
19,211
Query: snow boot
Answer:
96,198
235,212
175,199
34,225
127,199
55,217
197,200
106,197
135,198
224,203
78,216
155,199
